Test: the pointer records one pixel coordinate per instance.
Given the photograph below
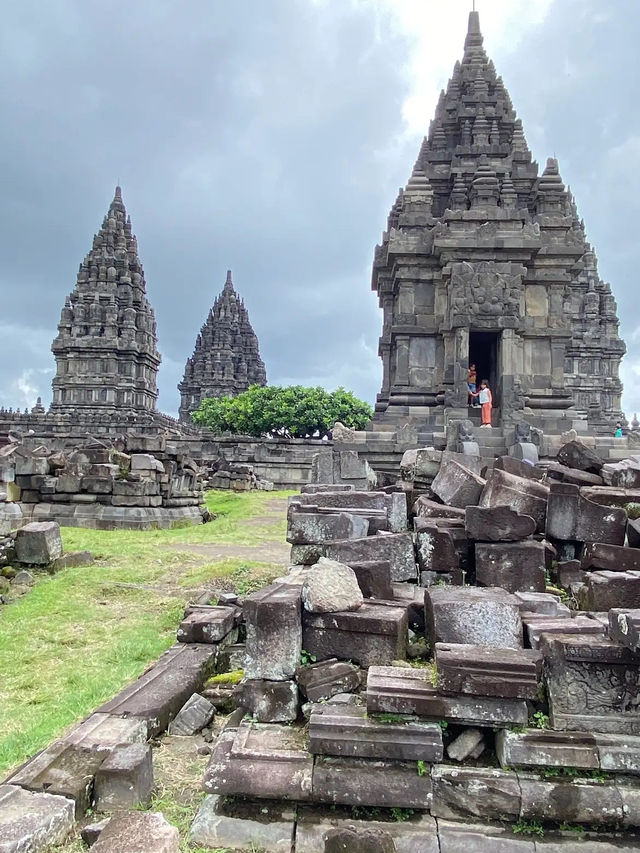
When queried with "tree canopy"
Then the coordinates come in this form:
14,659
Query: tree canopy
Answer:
293,412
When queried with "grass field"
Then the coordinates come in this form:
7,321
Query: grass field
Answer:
77,637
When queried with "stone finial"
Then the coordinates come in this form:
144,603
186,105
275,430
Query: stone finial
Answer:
459,194
485,189
635,423
474,36
508,195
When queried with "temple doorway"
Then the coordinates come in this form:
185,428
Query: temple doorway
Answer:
484,352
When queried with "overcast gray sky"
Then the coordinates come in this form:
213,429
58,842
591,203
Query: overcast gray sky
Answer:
270,137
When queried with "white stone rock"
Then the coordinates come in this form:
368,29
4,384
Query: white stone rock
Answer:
331,587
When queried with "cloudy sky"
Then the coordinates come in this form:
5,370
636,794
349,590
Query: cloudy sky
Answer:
270,137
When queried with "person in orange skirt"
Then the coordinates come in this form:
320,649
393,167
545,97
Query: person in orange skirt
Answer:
485,398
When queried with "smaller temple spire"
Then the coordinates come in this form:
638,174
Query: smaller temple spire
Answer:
474,36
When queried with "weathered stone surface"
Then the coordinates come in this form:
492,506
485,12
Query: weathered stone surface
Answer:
605,590
488,671
331,586
207,625
30,823
624,627
484,617
374,578
222,823
305,528
611,558
396,548
525,496
195,714
262,761
383,511
542,603
456,485
327,678
624,474
423,507
497,524
468,792
574,454
514,566
370,635
38,543
91,832
536,626
518,468
633,532
470,744
269,701
582,801
348,731
363,782
396,690
319,488
138,832
274,632
545,748
125,778
592,683
456,837
555,471
571,516
358,841
106,730
162,690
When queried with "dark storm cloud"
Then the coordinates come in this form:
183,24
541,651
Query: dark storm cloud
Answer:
265,137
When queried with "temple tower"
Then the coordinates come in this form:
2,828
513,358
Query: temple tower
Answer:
226,359
105,351
486,261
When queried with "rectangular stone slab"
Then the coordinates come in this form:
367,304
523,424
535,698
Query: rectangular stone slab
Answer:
207,625
323,680
396,548
605,590
480,616
514,566
374,578
372,634
274,632
497,524
162,690
536,626
610,558
33,822
362,782
528,497
624,627
304,528
593,684
393,506
262,761
474,792
487,671
546,748
347,731
398,690
107,730
583,801
222,824
571,516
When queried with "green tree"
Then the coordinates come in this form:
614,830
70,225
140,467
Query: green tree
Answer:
293,412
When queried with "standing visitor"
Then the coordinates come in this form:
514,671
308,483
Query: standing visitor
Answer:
485,399
472,379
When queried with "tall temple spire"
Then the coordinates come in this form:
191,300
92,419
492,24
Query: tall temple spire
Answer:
106,348
226,359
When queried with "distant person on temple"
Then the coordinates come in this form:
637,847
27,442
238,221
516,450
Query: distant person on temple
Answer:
472,379
618,432
486,401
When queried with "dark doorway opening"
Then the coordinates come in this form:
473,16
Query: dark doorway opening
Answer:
484,349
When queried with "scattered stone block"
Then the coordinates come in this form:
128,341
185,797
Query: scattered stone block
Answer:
396,690
358,841
125,778
373,634
330,587
195,714
546,748
486,838
306,528
594,804
348,731
319,488
483,617
30,822
423,507
537,626
395,548
497,524
611,558
269,701
570,516
103,731
374,783
605,590
23,578
274,633
223,824
574,476
574,454
326,679
470,744
456,485
518,468
541,603
488,671
162,690
524,496
514,566
261,761
374,578
441,549
624,627
72,561
633,532
207,624
38,543
138,832
91,832
475,792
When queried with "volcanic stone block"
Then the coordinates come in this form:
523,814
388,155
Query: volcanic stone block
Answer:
223,823
624,627
545,748
456,485
375,783
483,617
274,632
371,635
633,532
467,792
535,626
395,548
572,517
384,511
138,832
207,625
103,731
470,744
487,671
542,603
514,566
31,465
195,714
497,524
611,558
347,731
438,552
527,497
417,833
162,690
618,753
457,837
30,823
262,761
374,578
518,468
572,475
38,543
318,488
606,590
595,804
63,769
323,680
125,778
330,587
269,701
358,841
396,690
592,683
425,508
574,454
307,528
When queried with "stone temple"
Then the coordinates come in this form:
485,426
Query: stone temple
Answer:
106,354
226,359
486,261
